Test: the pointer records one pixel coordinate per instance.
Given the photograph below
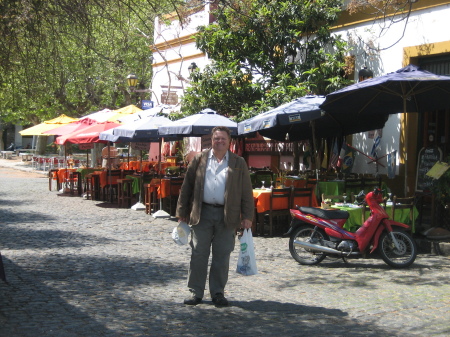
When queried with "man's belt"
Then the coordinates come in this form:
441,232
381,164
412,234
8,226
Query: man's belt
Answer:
212,205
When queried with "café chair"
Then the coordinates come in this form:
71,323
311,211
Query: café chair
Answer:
147,198
399,204
53,176
311,182
278,194
124,192
109,191
151,200
75,183
371,182
305,192
174,191
353,185
366,210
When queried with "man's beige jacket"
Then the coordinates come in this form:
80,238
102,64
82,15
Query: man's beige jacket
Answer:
239,202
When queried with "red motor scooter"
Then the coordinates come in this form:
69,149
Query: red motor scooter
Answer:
317,233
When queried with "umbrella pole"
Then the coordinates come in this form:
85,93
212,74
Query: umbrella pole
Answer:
161,213
109,172
406,148
129,148
139,206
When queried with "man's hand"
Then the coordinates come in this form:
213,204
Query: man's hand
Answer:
246,224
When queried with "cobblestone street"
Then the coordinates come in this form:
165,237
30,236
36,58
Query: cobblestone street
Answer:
78,267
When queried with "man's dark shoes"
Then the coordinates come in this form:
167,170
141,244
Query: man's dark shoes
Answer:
220,300
193,300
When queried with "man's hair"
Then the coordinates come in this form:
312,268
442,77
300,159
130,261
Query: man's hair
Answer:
221,128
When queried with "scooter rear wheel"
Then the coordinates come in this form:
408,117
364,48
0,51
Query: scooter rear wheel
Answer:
401,257
303,255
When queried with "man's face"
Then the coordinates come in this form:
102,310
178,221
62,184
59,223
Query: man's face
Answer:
220,141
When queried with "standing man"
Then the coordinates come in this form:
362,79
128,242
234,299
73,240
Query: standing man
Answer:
216,198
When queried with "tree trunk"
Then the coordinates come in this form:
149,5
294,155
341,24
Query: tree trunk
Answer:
41,143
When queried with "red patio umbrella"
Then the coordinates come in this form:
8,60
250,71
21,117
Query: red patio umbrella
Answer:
89,134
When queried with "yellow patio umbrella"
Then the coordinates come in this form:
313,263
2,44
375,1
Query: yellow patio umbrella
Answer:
38,129
128,110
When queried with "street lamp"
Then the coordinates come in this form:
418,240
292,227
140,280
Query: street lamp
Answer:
132,81
192,67
365,74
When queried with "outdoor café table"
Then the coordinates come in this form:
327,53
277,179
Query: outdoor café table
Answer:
7,154
262,202
336,187
136,165
25,156
161,187
137,182
146,165
331,187
103,178
355,215
62,175
86,170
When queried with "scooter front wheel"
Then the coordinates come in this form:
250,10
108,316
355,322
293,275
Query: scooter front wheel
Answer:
399,257
307,234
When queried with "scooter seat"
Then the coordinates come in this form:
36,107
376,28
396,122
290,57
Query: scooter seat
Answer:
325,214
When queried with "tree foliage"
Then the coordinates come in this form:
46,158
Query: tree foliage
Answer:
284,47
72,56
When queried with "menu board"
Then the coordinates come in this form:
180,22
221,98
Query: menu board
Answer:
427,158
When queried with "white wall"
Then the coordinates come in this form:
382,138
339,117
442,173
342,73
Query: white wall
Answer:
178,56
424,27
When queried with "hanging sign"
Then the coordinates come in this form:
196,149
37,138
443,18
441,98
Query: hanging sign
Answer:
146,105
140,146
86,146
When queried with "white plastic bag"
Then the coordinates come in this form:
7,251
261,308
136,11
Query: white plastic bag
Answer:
247,262
180,233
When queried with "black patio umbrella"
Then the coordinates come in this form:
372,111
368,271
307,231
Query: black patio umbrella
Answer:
302,119
408,89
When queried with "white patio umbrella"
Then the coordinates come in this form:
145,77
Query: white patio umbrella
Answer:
198,125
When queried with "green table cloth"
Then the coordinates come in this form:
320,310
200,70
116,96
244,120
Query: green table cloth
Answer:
85,171
355,219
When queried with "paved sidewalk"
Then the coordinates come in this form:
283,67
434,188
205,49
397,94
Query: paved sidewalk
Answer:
77,267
